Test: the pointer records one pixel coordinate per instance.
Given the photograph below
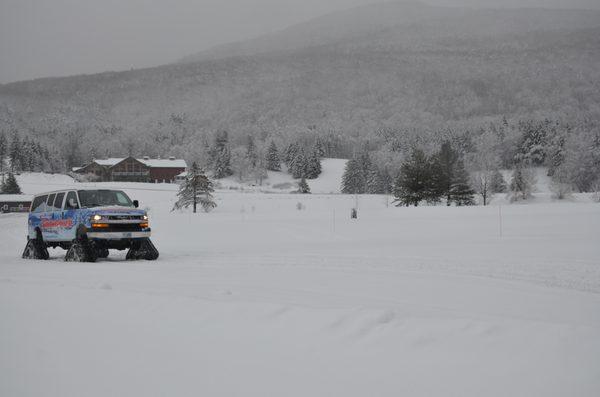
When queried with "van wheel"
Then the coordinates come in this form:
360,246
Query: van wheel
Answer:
35,248
81,251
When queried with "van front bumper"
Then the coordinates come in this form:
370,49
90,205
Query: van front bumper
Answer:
117,235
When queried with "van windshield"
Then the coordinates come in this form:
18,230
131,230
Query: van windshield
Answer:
100,198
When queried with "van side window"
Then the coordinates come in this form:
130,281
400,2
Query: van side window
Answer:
50,202
73,196
39,204
58,201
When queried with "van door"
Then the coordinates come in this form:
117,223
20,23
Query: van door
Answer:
47,224
60,223
70,215
38,208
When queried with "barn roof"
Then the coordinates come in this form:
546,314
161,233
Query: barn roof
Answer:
164,163
108,162
152,163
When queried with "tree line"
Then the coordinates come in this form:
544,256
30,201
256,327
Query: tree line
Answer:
21,153
468,163
251,161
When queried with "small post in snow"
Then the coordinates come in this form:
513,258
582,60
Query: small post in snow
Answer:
333,219
500,219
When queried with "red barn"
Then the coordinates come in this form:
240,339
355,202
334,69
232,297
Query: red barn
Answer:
164,170
134,170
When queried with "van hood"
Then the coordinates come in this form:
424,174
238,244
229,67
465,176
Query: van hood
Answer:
116,210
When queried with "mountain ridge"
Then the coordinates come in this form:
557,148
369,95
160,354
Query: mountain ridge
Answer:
429,77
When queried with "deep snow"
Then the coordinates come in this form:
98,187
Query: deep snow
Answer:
259,298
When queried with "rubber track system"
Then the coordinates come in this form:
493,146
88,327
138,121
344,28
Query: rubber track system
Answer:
35,249
81,251
144,249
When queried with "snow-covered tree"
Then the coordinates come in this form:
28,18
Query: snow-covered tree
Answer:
195,189
299,165
353,181
498,183
313,165
10,185
484,163
582,157
320,148
531,147
560,183
460,190
446,162
357,174
15,153
251,152
290,153
240,164
273,162
377,181
521,183
3,151
415,181
259,173
221,156
303,186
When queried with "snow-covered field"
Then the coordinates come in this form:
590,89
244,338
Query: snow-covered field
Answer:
259,298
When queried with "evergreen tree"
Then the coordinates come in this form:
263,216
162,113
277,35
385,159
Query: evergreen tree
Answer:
290,153
320,148
460,191
313,166
3,151
353,181
222,156
251,151
272,159
414,183
498,184
377,181
29,157
555,153
446,160
299,165
357,173
449,178
531,147
303,186
196,189
10,185
15,153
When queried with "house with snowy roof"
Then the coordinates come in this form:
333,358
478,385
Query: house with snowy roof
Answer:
133,169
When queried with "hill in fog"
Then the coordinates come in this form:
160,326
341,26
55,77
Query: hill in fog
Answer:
393,65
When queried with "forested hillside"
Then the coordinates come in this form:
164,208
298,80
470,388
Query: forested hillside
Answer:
398,75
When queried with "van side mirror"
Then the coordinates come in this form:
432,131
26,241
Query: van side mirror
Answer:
136,203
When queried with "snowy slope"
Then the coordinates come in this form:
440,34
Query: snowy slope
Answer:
281,182
330,180
258,298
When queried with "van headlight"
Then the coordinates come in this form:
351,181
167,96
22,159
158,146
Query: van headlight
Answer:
96,218
145,217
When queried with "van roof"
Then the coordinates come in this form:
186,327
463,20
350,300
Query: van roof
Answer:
54,191
66,190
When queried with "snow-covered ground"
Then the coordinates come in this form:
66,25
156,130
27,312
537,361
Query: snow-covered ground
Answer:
260,298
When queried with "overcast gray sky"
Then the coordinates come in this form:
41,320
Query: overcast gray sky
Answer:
40,38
